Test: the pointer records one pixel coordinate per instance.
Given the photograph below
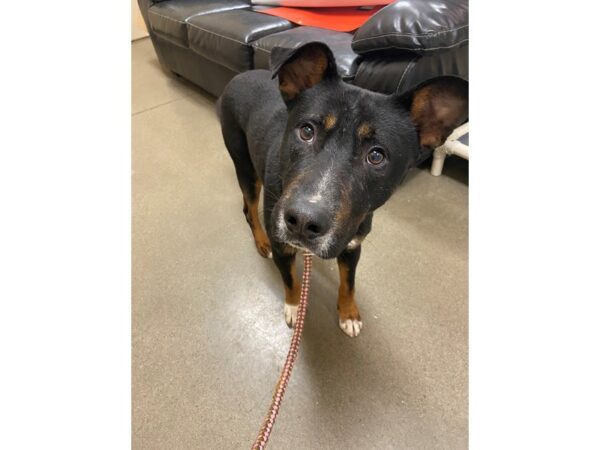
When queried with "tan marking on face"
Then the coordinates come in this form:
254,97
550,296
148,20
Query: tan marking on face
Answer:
344,209
289,190
330,121
365,130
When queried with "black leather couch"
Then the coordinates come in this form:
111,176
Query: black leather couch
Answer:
404,44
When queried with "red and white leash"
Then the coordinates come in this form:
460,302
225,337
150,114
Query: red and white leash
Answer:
284,378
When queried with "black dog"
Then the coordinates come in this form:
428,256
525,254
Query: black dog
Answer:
328,154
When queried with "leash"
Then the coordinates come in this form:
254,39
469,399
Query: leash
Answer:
265,431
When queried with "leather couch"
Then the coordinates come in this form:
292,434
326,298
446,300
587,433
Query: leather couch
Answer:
403,45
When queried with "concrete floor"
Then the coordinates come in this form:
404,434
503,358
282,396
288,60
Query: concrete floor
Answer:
209,337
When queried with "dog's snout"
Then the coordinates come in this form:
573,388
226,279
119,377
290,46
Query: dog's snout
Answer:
306,221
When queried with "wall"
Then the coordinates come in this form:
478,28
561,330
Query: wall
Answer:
138,27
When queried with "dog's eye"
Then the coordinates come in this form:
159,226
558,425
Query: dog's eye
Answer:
375,156
307,132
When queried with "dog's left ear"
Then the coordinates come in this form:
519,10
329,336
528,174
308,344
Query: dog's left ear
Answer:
437,108
301,68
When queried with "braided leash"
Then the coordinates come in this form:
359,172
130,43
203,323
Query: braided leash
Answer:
269,422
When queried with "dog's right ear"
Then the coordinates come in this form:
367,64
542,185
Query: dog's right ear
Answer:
301,68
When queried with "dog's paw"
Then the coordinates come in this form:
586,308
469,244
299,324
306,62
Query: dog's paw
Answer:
291,313
351,327
264,248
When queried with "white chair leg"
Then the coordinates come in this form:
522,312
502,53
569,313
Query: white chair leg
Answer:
452,146
439,156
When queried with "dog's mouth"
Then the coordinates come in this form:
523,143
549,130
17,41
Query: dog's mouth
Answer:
298,246
311,248
324,254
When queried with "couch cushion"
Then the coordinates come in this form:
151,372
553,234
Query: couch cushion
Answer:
401,71
416,25
226,37
169,18
340,44
382,73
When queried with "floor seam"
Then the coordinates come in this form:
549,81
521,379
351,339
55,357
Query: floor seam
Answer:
157,106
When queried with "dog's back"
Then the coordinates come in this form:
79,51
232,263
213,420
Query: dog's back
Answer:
251,109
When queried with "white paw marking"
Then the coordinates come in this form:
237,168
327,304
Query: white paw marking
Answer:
270,255
351,327
291,313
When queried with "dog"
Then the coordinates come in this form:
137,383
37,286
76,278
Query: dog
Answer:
327,154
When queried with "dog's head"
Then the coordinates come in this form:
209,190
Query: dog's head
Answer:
346,149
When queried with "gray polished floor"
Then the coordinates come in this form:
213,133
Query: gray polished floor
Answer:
208,331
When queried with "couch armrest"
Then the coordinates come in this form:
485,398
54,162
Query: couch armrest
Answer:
419,26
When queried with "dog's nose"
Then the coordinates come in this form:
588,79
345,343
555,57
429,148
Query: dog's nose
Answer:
306,222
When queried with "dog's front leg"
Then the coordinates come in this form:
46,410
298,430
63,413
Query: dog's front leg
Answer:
284,258
349,317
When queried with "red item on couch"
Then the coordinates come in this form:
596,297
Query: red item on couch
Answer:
337,19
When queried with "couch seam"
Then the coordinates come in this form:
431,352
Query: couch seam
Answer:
220,35
411,34
261,49
414,49
248,44
165,17
202,13
404,72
